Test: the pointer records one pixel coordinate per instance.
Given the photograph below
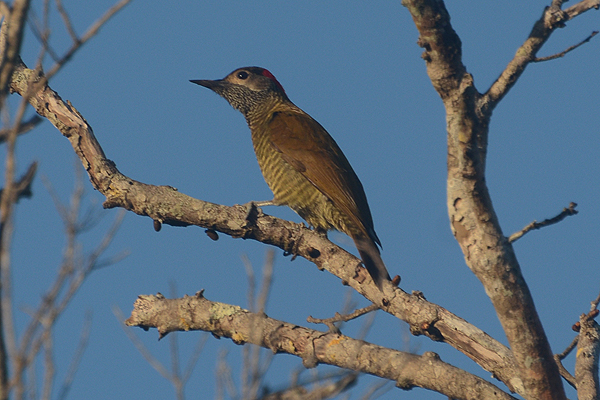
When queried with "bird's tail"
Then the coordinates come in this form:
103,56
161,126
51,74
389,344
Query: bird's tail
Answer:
369,253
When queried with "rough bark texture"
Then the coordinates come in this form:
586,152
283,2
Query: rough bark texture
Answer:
166,205
314,347
586,364
474,223
528,369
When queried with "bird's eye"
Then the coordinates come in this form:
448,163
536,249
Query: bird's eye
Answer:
242,75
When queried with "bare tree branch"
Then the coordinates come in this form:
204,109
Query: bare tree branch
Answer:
314,347
78,355
80,41
67,21
595,303
588,353
24,127
175,376
563,371
165,204
10,42
22,187
564,52
326,390
567,211
73,272
551,19
255,363
11,35
473,219
329,322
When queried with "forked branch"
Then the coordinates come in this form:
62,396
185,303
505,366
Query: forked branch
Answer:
166,205
406,369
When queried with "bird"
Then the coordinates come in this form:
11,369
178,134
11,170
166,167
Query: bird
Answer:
302,164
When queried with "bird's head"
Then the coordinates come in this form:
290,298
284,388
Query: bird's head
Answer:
246,88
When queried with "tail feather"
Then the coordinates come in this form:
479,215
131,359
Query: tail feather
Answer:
369,253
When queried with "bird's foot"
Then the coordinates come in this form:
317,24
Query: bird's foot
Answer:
321,231
262,203
252,208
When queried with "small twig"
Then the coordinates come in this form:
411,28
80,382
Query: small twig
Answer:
40,34
567,211
255,366
576,327
595,303
78,355
564,52
141,347
24,127
564,373
559,357
67,21
329,322
327,389
566,352
22,187
92,31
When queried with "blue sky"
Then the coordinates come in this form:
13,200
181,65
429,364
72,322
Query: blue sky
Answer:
356,68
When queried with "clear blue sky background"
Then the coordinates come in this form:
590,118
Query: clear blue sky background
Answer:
356,68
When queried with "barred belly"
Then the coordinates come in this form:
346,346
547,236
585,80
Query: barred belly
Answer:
292,189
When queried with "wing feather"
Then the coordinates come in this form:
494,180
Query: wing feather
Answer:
310,150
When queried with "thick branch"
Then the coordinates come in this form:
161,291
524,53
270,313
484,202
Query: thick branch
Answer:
474,222
14,25
314,347
586,364
165,204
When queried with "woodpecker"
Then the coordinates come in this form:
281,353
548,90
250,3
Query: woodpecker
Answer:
302,164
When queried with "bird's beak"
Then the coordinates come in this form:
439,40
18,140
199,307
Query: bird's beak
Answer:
213,85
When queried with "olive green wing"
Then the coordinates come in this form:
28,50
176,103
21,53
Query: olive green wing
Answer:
310,150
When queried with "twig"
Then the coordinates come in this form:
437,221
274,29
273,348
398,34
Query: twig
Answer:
150,359
91,32
193,360
254,365
566,352
174,354
49,365
563,371
595,303
66,21
40,33
329,322
24,127
224,378
22,187
70,277
564,52
567,211
78,355
576,327
325,390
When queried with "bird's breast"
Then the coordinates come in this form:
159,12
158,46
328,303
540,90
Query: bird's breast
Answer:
289,186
